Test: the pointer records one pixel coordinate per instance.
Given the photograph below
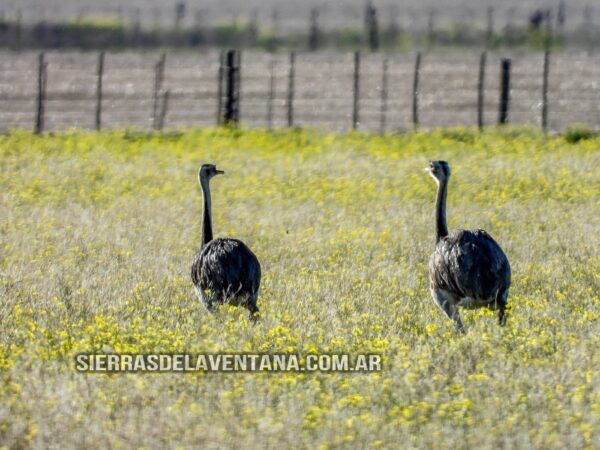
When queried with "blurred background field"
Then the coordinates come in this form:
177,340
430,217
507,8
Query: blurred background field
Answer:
98,232
136,61
275,22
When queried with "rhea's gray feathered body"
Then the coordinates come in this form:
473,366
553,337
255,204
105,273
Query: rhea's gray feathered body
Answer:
468,268
225,270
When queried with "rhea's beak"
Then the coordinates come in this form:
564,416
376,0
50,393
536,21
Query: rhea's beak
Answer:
220,172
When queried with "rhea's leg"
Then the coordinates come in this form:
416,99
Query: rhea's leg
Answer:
447,303
251,305
502,300
207,300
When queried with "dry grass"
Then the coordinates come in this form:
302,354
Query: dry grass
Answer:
98,231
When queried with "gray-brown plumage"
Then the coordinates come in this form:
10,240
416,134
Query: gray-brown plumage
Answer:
467,268
224,270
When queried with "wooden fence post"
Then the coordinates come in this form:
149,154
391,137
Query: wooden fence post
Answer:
159,73
546,72
271,96
504,92
18,29
314,33
238,83
489,34
415,104
163,110
384,95
232,88
220,88
588,26
100,75
481,90
290,96
545,90
549,39
356,91
41,93
372,26
560,17
275,21
509,28
431,28
180,11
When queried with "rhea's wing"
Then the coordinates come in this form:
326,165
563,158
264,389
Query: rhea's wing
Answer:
470,264
196,272
228,265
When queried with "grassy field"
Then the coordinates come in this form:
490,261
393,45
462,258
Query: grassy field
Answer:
98,232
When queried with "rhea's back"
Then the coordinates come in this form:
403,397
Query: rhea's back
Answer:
226,265
469,263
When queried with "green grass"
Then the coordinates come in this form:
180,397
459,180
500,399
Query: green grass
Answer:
98,232
579,132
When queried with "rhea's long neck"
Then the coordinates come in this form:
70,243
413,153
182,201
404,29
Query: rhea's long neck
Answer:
441,228
207,234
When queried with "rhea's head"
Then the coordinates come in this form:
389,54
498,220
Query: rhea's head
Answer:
438,170
207,171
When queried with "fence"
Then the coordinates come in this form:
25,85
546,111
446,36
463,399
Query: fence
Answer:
331,90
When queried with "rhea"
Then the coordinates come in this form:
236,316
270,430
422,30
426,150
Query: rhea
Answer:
224,271
468,268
